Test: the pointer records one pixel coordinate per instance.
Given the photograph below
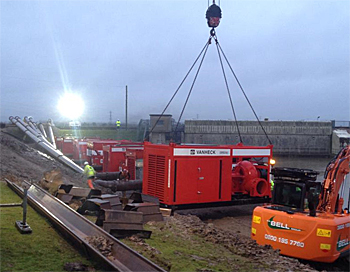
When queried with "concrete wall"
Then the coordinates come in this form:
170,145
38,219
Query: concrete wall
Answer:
162,130
288,137
340,139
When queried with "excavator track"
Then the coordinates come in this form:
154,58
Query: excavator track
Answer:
82,233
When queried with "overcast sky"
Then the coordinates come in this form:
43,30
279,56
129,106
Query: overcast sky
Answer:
291,57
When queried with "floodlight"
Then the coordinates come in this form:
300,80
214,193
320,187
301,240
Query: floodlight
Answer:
71,106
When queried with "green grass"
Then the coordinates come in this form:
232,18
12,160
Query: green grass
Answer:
42,250
181,251
102,133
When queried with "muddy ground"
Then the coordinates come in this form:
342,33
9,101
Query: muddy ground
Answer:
229,225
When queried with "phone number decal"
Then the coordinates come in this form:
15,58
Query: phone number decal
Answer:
284,240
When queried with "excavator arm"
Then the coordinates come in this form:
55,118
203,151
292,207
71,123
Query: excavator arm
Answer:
338,168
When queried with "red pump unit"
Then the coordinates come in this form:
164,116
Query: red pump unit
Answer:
80,150
95,152
247,179
59,143
191,175
67,146
115,156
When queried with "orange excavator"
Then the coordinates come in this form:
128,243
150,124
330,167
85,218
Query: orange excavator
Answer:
308,219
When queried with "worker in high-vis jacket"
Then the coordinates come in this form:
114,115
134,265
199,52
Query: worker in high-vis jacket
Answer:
89,173
118,124
272,184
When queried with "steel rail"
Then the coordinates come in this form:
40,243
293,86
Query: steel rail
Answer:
77,229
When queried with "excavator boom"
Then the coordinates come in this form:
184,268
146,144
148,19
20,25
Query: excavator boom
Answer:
335,174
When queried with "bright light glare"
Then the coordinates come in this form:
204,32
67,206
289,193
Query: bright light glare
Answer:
71,106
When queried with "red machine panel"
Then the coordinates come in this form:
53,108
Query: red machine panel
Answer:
59,142
115,156
186,181
80,150
192,174
95,151
67,147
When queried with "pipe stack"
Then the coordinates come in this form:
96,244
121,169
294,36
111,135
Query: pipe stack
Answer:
32,132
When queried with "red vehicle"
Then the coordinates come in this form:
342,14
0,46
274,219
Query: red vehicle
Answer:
202,175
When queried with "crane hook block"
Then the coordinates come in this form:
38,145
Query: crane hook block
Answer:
213,15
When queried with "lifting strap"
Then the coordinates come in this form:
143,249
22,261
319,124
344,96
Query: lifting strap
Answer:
204,51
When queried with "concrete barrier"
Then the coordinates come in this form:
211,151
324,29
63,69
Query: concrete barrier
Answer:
312,138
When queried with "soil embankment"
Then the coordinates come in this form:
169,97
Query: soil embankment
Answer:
20,161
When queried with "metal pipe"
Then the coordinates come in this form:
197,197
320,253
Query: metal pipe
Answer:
29,122
107,175
50,132
32,122
42,129
40,140
25,193
9,205
33,131
120,185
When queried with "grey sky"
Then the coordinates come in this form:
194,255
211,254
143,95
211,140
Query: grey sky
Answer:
292,58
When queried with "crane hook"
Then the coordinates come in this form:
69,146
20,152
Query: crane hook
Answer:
213,15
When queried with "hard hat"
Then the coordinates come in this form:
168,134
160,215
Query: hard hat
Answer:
86,163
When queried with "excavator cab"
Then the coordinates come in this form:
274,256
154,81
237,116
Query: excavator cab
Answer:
295,189
289,194
293,196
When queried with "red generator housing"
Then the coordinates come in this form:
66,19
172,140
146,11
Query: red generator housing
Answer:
80,150
200,175
59,143
133,155
67,147
94,152
115,157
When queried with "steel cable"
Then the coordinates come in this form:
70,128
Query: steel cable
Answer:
240,86
227,88
205,46
194,81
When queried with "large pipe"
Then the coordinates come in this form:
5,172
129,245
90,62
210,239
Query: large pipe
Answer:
107,175
31,129
42,129
29,122
27,128
50,132
32,122
120,185
40,140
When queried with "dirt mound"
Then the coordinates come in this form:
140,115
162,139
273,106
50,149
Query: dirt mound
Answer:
20,161
239,244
